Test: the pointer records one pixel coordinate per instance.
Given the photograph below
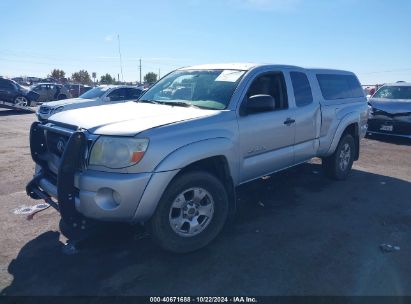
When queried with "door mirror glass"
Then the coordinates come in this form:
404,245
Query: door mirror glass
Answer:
260,103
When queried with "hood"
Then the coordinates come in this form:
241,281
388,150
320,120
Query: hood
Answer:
391,106
127,119
64,102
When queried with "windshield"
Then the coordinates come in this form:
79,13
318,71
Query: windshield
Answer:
94,93
211,89
394,92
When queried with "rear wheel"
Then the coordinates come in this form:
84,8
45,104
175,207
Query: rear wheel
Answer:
61,96
191,212
339,164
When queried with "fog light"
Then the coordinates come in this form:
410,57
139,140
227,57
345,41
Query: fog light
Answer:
107,198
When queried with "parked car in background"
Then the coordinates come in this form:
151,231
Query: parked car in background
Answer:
50,92
174,159
14,94
390,110
98,96
77,89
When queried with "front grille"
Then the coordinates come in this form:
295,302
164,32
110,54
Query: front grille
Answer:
56,143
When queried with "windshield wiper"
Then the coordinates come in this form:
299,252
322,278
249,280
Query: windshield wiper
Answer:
172,103
148,101
180,104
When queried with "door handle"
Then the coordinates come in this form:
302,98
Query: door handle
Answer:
289,121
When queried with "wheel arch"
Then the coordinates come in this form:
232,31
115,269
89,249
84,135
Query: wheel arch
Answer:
219,161
217,166
348,125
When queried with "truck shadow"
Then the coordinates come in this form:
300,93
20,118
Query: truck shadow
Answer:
296,233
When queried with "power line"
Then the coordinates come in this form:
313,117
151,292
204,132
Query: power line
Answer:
387,71
140,71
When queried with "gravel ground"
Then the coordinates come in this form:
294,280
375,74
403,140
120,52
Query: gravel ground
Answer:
296,233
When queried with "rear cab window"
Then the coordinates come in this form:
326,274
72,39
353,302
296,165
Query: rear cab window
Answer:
302,89
339,86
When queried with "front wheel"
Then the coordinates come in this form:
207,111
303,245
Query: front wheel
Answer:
339,164
21,101
191,212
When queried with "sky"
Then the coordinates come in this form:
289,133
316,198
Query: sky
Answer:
370,38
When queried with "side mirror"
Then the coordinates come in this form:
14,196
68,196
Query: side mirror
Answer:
260,103
107,99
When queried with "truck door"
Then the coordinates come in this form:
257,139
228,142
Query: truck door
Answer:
307,117
42,90
266,137
51,90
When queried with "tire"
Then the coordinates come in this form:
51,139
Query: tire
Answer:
183,205
339,164
22,101
61,96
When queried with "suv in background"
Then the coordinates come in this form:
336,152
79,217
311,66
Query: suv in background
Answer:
50,92
12,93
98,96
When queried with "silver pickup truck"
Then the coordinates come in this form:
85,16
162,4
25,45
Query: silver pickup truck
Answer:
173,159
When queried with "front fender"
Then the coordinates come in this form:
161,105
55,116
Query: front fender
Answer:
168,168
199,150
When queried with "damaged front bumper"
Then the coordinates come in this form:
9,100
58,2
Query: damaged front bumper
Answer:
391,126
86,197
40,187
80,193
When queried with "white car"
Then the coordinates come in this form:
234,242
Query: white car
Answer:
98,96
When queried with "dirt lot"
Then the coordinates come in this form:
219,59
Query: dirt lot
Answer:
296,233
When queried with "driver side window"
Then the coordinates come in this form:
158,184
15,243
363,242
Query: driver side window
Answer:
272,84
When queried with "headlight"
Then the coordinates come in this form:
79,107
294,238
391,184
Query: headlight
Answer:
56,110
117,152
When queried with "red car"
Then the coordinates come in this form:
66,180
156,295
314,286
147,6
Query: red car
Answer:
77,89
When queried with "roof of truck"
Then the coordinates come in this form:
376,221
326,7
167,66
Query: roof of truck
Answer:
245,66
398,84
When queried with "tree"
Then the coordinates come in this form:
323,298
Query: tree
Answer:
150,77
107,79
81,76
58,74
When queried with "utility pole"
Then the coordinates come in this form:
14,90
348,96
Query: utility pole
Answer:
159,74
140,72
121,63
